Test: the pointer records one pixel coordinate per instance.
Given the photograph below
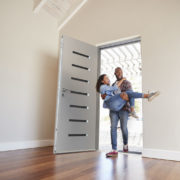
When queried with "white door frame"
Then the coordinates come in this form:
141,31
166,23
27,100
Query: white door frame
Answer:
106,45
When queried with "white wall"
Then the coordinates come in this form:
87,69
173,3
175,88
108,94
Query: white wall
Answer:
28,75
158,23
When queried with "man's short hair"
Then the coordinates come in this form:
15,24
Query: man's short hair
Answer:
118,68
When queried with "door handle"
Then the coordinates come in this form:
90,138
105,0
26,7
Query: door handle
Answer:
65,90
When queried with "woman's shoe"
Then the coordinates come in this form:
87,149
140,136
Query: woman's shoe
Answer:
153,95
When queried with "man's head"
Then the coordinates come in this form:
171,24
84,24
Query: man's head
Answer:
118,73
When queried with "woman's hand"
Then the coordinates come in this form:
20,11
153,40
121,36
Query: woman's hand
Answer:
103,96
120,82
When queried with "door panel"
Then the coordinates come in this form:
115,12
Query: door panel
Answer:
76,109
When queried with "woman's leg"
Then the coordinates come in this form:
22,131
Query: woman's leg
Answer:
131,102
115,103
136,95
129,96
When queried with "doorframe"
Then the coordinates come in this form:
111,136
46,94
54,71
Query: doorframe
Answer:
106,45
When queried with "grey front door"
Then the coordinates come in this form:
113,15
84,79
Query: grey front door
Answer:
76,127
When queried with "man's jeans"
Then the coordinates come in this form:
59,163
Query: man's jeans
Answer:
115,116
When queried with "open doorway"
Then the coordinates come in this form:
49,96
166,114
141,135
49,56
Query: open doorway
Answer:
127,55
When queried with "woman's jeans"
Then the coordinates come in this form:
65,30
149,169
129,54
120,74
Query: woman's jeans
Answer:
116,103
133,95
115,116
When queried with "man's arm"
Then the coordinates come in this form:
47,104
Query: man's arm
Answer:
126,86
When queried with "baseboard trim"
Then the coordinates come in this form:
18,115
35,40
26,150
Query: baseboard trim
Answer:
8,146
161,154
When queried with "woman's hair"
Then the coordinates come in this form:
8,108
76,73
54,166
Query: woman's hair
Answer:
99,82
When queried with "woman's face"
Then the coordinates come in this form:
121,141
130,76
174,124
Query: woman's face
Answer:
106,80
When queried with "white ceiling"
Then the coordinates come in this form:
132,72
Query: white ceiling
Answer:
62,10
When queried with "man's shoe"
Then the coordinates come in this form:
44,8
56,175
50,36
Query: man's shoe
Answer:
125,148
112,154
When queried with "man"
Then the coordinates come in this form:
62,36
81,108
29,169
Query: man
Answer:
122,115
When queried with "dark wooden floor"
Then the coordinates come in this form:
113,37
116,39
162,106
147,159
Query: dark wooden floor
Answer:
40,163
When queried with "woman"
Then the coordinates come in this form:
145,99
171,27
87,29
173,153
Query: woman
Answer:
115,102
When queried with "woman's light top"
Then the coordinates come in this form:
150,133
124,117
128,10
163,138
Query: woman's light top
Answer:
108,90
